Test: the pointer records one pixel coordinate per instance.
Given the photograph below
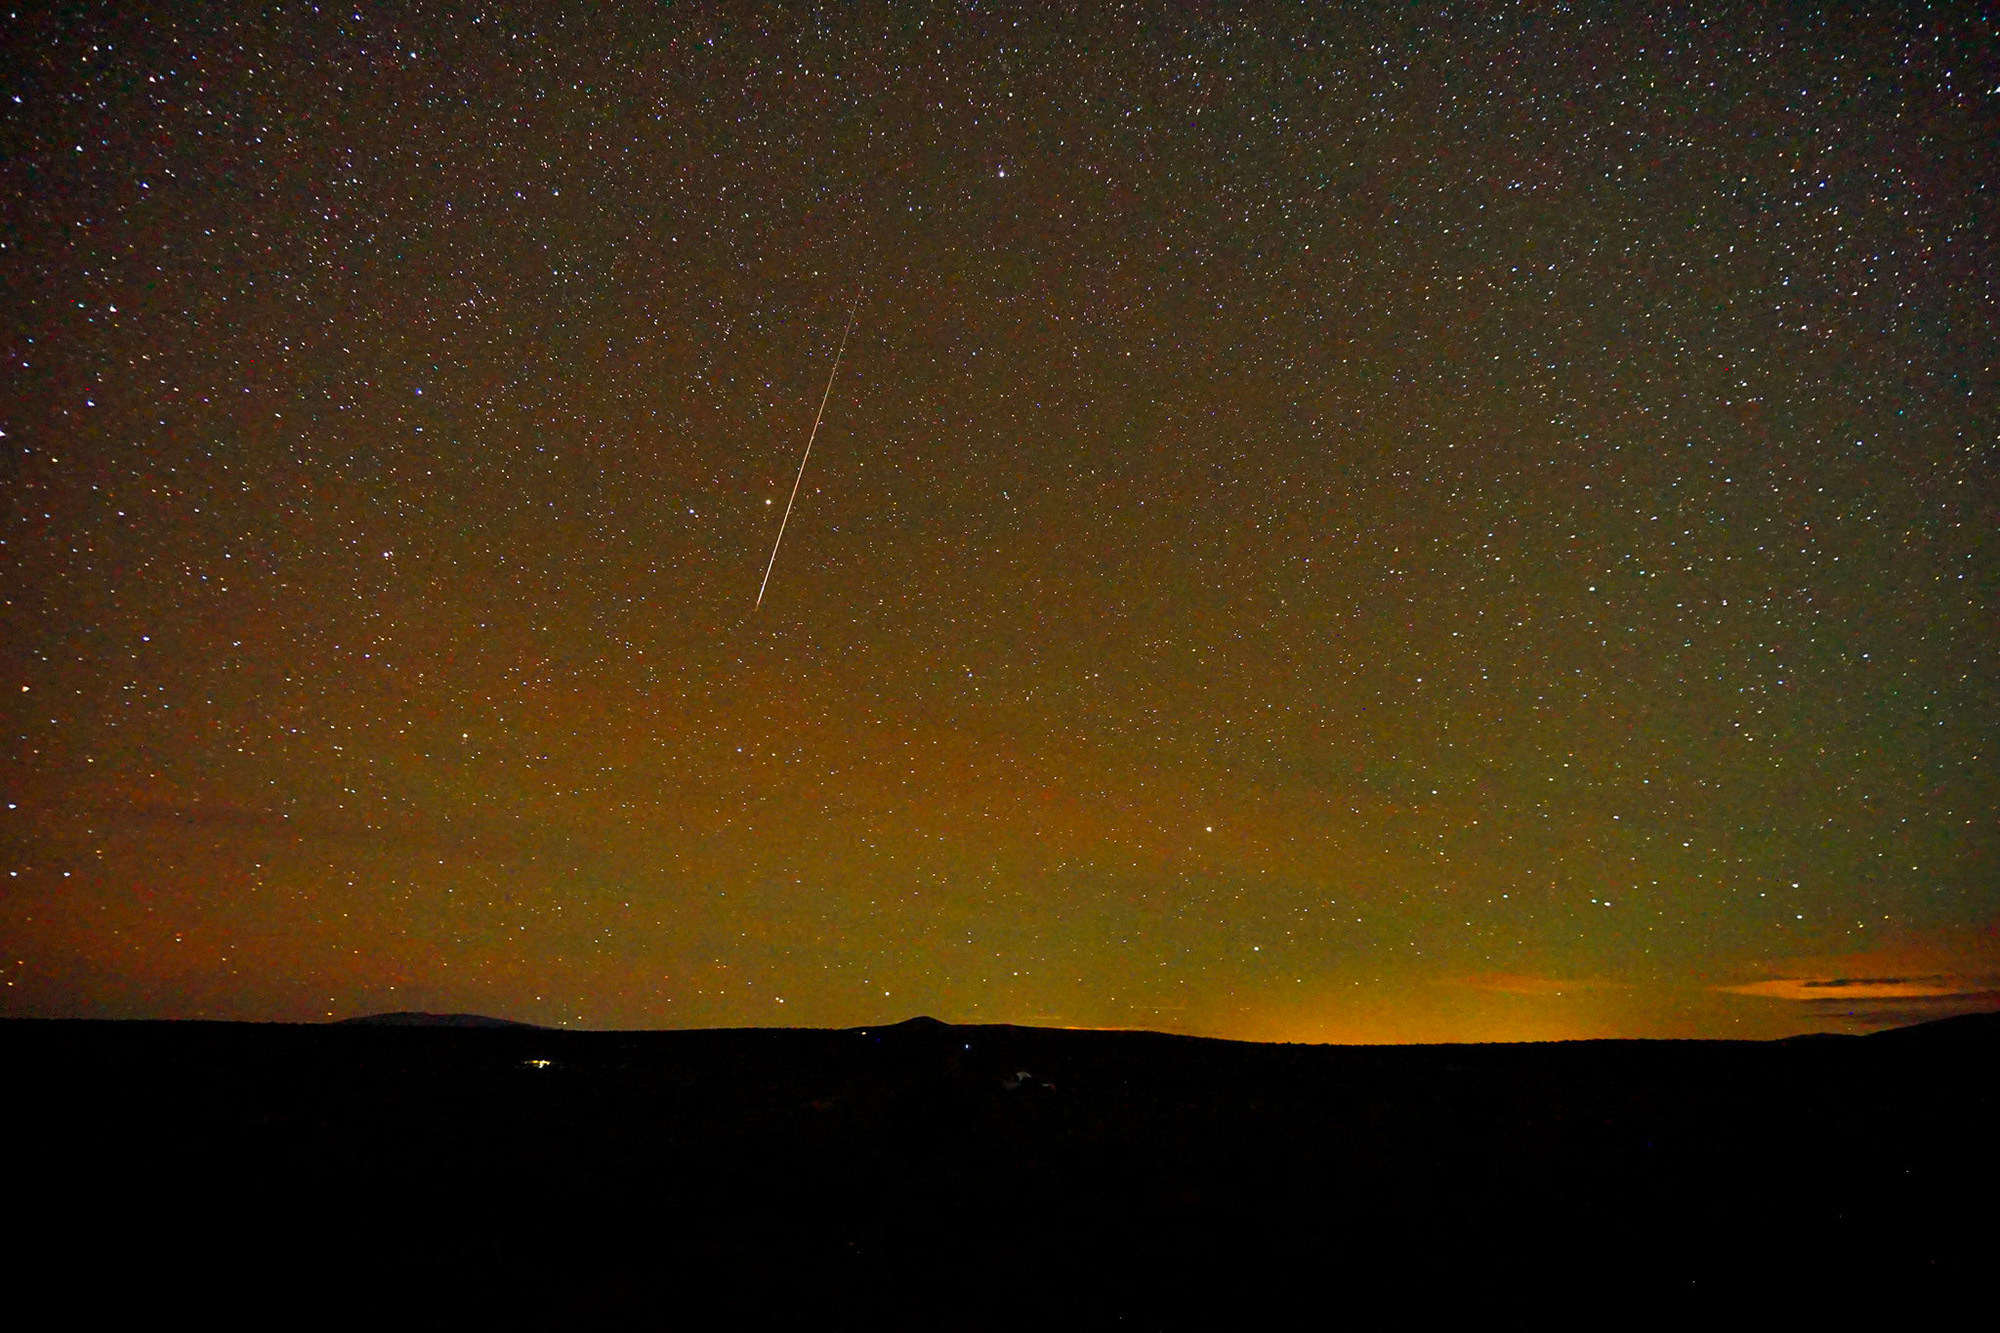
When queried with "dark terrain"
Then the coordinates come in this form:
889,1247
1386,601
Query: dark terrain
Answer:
909,1174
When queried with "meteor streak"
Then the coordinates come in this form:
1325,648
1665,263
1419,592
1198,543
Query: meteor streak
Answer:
810,437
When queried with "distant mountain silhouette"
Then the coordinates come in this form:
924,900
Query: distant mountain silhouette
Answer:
1819,1036
920,1033
1962,1027
959,1175
407,1019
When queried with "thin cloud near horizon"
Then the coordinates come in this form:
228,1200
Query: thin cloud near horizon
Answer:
1843,989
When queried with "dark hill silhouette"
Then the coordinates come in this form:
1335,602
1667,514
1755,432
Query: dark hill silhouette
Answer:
412,1019
1980,1029
924,1173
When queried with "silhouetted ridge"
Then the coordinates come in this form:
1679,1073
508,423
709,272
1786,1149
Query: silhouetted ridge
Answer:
408,1019
929,1169
1962,1027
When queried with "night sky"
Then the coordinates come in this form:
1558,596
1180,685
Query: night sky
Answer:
1409,525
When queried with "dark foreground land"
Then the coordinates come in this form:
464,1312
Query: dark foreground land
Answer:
909,1174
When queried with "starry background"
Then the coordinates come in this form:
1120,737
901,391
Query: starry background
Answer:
1407,524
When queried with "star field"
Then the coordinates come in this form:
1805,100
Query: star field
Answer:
1431,524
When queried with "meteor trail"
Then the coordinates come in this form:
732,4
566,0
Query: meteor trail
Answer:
810,437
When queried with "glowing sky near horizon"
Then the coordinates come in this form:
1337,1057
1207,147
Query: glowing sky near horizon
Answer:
1460,525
